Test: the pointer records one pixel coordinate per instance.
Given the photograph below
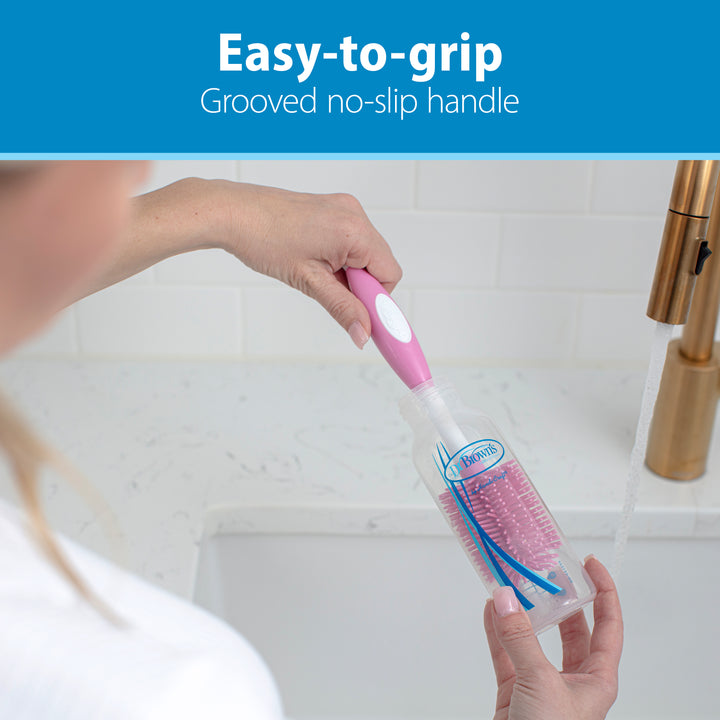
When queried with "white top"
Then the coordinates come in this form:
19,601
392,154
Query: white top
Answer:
60,659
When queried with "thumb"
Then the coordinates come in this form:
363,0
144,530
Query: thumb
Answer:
334,296
516,635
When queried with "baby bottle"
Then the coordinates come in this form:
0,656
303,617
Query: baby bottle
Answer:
474,477
503,525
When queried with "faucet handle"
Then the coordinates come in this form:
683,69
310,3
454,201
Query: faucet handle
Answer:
703,254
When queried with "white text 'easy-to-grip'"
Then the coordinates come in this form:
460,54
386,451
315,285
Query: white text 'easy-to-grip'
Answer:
425,59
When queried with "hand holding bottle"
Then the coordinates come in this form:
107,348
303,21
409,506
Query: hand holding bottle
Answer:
529,686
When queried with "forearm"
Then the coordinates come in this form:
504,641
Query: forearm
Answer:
301,239
187,215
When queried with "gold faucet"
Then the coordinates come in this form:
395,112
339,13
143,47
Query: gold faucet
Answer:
690,387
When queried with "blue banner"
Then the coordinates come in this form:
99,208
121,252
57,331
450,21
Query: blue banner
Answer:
369,77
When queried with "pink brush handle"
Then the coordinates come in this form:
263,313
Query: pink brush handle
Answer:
390,329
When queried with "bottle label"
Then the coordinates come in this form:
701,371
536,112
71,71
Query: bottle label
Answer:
473,460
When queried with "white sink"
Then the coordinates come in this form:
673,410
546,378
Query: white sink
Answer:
363,623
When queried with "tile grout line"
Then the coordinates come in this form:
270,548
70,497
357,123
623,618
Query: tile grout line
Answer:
515,212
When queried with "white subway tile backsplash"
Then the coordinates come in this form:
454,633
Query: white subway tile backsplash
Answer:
58,338
282,322
504,185
164,172
492,326
160,321
207,267
375,183
504,262
579,253
632,186
442,249
614,328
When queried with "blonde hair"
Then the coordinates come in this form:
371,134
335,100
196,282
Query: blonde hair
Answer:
27,454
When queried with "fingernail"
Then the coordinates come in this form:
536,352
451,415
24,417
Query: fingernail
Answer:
505,601
588,558
358,334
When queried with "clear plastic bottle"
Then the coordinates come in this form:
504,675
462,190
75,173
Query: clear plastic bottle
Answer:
492,507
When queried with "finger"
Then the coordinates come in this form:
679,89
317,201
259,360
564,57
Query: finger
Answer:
502,664
607,636
385,268
575,636
341,277
371,251
323,285
516,635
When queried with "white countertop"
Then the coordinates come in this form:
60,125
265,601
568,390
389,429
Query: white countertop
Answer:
177,449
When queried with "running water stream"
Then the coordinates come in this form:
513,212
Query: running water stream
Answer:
663,333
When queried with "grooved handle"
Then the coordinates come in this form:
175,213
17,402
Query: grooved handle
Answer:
391,331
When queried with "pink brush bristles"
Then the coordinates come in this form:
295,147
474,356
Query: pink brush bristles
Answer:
510,512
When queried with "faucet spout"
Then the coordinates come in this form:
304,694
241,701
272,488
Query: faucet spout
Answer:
685,410
699,332
685,226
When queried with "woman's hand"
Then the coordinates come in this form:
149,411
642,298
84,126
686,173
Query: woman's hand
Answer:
529,686
305,240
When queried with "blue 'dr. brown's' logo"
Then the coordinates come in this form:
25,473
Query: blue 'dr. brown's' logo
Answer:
473,460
